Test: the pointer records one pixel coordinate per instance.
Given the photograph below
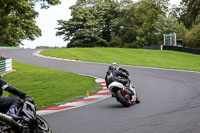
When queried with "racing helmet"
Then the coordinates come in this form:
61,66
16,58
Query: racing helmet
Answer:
114,66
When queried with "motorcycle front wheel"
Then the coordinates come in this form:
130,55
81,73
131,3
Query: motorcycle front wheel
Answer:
43,126
121,97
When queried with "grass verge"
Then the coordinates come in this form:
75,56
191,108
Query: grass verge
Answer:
47,86
137,57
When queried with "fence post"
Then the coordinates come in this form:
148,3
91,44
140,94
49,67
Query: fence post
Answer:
161,47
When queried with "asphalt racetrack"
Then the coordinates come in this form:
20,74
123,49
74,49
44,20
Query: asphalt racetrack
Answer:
170,100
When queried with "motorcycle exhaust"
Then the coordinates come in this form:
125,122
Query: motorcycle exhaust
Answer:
126,91
8,120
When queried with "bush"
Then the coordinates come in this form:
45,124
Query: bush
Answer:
192,37
115,42
131,45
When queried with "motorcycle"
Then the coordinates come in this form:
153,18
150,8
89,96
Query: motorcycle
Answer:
30,122
126,95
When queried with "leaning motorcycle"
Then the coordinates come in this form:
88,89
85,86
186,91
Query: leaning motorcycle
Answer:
30,122
126,95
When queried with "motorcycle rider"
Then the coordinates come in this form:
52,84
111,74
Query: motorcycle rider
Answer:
10,104
116,73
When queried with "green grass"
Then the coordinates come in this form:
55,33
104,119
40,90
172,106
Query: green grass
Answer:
137,57
47,86
8,47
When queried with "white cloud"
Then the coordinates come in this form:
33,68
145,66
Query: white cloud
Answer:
176,2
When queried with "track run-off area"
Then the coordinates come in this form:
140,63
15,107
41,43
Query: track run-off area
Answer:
170,100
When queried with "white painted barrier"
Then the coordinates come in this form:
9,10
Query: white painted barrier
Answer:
8,65
5,65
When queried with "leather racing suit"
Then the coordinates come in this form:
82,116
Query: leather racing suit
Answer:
10,103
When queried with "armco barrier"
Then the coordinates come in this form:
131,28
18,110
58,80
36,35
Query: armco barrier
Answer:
183,49
154,47
175,48
5,65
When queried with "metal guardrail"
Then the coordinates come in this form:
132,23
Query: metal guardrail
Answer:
175,48
5,65
183,49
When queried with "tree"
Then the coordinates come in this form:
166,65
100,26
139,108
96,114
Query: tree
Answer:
112,23
192,37
122,26
190,11
190,16
17,20
83,28
169,24
148,12
138,22
91,23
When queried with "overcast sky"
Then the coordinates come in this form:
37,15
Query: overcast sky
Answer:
47,22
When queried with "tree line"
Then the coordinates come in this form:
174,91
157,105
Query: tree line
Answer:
105,23
113,23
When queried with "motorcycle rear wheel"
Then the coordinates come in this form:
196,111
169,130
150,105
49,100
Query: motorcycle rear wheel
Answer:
121,99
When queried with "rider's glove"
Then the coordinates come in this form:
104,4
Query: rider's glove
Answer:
22,95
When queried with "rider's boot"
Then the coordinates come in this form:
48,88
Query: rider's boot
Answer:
12,112
137,100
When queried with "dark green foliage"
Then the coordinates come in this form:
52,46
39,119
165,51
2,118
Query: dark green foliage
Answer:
148,12
112,23
190,12
115,42
127,24
91,23
17,20
138,23
192,37
169,24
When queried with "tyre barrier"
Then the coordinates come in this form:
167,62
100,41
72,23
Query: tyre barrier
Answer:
5,64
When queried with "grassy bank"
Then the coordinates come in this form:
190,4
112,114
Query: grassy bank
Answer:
138,57
48,86
8,47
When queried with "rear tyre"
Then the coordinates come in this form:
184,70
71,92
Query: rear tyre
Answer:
121,97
